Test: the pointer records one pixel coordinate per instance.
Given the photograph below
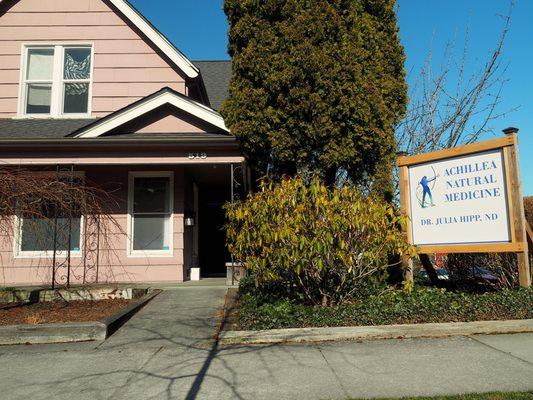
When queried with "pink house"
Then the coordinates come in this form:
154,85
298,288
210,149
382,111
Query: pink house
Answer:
92,87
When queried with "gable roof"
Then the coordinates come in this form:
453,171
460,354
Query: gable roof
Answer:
156,37
165,96
216,75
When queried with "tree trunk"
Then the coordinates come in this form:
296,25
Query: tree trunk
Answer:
430,269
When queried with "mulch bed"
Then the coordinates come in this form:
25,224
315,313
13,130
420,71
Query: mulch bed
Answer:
60,311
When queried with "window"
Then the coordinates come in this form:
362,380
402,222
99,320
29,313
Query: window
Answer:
56,81
150,209
35,233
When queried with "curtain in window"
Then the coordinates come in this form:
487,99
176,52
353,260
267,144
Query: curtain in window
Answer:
77,70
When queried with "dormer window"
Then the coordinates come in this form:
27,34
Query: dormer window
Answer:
56,81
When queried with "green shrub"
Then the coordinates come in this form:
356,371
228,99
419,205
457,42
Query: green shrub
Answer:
323,243
388,307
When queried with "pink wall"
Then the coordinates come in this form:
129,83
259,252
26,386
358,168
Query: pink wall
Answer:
126,67
168,120
115,264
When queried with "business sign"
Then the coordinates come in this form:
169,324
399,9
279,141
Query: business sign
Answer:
462,199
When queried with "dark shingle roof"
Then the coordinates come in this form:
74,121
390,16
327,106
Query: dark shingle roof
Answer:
216,76
40,128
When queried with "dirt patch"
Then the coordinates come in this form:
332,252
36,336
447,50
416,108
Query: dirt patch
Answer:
229,314
60,311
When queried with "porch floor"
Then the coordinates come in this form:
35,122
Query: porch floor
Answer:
202,282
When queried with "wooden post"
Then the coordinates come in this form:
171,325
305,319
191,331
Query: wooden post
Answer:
516,208
403,178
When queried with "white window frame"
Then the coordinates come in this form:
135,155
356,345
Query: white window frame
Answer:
17,242
57,97
170,228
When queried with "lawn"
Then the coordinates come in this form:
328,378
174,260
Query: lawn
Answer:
485,396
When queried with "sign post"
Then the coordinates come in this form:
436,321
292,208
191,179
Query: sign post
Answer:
466,199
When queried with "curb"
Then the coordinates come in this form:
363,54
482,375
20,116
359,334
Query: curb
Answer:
52,333
114,322
71,331
407,331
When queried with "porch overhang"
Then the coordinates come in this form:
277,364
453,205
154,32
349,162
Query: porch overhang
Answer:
187,150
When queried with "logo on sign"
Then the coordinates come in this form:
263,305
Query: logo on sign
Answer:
424,190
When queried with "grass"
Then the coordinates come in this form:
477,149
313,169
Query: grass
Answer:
484,396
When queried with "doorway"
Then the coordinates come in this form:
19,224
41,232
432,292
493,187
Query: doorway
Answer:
213,253
214,190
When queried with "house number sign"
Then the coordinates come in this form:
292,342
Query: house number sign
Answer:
197,156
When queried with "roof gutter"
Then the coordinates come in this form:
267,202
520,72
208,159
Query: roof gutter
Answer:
129,142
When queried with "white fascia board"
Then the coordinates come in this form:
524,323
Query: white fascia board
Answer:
160,41
121,118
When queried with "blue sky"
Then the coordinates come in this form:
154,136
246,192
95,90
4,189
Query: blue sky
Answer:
198,28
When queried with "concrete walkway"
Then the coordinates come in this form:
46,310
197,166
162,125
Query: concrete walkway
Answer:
178,319
167,351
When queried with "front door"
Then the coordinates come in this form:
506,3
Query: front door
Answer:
213,254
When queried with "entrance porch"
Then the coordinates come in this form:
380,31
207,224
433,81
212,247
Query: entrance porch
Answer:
168,203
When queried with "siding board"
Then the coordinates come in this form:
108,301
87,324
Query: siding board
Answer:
115,75
60,6
9,76
81,32
132,46
129,61
135,89
109,104
9,62
9,90
8,105
103,46
61,19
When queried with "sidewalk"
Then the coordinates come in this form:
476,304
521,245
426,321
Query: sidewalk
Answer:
167,351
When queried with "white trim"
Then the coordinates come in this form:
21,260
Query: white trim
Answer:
165,97
157,38
170,229
17,237
110,159
57,81
182,62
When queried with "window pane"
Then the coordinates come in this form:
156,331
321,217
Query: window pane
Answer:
38,234
149,232
39,98
76,98
40,64
77,64
151,195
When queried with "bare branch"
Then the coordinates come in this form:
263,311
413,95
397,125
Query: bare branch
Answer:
442,115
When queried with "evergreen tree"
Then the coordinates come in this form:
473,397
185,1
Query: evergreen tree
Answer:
317,86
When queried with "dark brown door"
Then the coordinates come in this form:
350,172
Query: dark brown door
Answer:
212,247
